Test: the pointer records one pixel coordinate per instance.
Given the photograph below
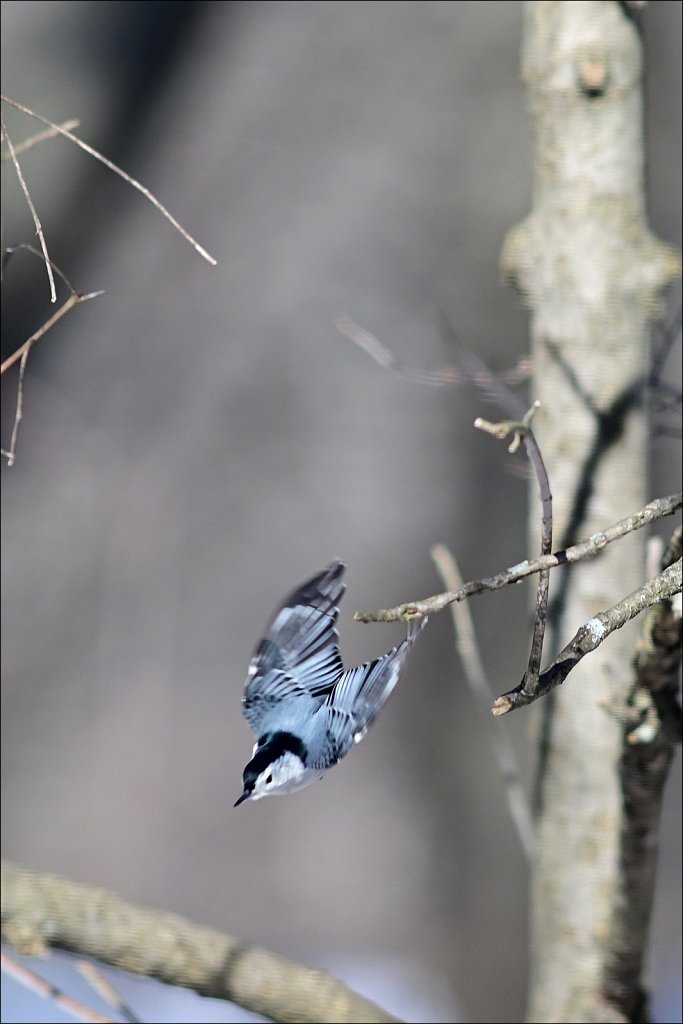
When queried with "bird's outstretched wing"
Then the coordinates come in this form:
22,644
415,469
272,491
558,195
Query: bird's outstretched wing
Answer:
298,657
351,708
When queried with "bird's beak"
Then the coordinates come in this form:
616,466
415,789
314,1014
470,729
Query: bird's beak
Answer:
245,796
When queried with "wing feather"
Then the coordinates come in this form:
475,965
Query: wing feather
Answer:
298,658
361,692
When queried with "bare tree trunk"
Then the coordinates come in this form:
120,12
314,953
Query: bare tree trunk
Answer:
591,272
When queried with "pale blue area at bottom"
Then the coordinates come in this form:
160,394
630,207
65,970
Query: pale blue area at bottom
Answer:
400,985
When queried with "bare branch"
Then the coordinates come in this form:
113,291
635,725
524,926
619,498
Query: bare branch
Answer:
40,910
523,433
22,353
588,548
18,412
36,219
117,170
34,140
11,250
446,376
592,634
106,990
74,300
468,649
30,980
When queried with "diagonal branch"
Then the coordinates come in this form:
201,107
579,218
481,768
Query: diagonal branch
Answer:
32,981
74,299
106,991
503,751
35,140
476,375
21,355
588,548
592,634
117,170
40,910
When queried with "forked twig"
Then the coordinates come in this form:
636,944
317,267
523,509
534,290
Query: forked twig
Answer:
591,635
522,433
34,140
74,300
21,354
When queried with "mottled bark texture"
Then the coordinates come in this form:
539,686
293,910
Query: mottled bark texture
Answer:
41,910
592,274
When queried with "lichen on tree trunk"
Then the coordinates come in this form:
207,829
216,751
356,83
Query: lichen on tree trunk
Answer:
592,275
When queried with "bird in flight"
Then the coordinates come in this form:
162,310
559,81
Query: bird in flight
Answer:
305,709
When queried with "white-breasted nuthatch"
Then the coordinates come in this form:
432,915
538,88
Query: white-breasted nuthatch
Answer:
305,709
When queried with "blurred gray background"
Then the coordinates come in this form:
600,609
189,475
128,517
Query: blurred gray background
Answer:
197,441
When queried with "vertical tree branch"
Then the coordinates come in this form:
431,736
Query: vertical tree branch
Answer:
34,214
524,434
651,730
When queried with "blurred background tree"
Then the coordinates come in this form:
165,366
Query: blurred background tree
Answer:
593,275
196,441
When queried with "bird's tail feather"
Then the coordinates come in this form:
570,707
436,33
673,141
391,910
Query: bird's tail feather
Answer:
362,691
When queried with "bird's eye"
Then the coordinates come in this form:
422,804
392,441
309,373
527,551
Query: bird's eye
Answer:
269,779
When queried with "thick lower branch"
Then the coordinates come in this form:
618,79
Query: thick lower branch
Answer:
41,910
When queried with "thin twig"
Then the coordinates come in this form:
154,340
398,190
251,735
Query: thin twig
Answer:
36,219
592,634
18,413
495,388
468,649
106,990
33,140
74,300
30,980
21,355
447,375
121,173
588,548
24,246
522,433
